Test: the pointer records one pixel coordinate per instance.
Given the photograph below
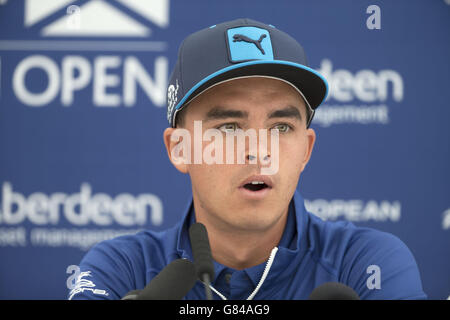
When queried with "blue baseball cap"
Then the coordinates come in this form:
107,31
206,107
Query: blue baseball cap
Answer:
236,49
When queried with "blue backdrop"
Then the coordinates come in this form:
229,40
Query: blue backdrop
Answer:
82,112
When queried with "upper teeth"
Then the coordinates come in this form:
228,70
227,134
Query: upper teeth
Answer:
257,182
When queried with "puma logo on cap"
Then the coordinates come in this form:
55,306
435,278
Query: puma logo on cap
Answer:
257,43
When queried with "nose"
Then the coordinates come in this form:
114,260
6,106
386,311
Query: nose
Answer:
264,157
251,157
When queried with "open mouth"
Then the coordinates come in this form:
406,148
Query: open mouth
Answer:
255,186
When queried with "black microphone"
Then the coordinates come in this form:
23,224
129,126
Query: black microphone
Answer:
172,283
201,251
333,291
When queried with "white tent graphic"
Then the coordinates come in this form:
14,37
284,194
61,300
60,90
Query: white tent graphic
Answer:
98,17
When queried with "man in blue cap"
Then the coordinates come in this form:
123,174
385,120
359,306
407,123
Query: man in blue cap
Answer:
231,78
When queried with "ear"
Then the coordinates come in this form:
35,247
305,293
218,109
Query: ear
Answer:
178,146
310,140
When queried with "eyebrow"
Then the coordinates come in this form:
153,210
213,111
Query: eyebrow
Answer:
288,112
221,113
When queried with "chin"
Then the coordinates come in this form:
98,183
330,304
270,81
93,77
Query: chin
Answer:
254,219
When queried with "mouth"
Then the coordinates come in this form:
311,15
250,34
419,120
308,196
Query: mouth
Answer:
256,187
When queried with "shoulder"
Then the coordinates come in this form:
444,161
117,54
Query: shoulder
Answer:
127,249
132,246
381,266
336,241
114,267
376,264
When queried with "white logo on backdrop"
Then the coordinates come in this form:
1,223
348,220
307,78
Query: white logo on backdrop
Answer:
83,211
355,210
113,22
80,208
114,78
358,98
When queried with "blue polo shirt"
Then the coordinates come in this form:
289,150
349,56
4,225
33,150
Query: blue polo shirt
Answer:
377,265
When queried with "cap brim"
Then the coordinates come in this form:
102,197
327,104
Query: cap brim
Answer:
313,85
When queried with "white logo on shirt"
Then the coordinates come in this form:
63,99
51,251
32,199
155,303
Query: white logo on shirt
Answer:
82,285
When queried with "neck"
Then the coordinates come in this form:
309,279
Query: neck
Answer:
240,249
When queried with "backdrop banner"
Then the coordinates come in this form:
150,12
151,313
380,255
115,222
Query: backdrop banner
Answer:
83,89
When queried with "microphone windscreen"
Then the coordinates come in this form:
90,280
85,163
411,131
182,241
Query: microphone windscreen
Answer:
201,250
333,291
172,283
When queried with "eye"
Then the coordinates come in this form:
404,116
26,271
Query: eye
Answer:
282,127
228,127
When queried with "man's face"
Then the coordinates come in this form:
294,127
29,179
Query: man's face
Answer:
224,193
